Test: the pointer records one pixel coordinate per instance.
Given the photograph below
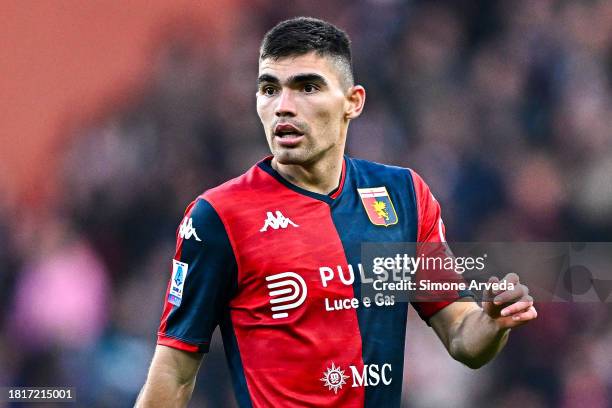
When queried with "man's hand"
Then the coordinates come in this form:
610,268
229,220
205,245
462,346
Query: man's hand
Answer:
474,336
509,308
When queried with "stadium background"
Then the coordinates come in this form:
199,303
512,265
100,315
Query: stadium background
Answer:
116,114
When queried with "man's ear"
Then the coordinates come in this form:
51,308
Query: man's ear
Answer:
356,99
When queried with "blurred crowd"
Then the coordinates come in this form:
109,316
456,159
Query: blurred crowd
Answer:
503,107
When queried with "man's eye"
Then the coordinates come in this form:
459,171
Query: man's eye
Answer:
268,90
310,88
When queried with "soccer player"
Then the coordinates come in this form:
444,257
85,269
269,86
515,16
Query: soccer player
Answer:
272,256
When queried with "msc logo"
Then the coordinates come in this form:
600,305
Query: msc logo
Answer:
334,378
276,222
287,291
370,375
186,230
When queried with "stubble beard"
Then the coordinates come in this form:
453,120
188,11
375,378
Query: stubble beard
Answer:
299,155
305,156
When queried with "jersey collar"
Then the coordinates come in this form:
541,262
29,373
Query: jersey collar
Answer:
266,166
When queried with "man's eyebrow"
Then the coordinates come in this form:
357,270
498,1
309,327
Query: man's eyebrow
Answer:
267,78
295,79
300,78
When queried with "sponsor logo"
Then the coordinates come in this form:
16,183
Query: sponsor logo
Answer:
177,282
370,375
287,291
346,274
334,378
276,221
378,206
186,230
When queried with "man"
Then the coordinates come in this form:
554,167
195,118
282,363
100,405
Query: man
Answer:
272,256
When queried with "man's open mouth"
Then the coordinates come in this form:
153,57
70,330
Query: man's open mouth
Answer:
287,130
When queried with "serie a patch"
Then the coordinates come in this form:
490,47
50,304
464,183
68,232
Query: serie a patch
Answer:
179,273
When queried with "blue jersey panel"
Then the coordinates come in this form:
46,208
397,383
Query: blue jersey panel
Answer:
383,329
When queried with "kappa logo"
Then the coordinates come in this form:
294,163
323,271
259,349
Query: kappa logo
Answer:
276,221
287,291
186,230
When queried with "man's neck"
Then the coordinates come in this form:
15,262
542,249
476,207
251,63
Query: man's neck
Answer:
321,177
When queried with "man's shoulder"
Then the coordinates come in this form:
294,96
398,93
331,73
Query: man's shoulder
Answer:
237,192
246,183
393,177
380,172
368,165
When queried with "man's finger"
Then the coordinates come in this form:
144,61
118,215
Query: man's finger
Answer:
512,278
507,296
518,307
529,314
488,294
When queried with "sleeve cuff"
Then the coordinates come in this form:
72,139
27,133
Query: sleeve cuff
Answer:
169,341
427,309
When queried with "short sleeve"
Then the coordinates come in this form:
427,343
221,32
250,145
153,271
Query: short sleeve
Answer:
431,242
203,278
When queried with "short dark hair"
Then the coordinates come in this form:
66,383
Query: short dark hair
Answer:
301,35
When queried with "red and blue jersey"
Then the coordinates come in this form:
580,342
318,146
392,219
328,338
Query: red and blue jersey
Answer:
277,268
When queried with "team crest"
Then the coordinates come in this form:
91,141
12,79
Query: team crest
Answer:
378,206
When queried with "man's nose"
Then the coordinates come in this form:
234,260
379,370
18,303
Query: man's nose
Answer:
285,105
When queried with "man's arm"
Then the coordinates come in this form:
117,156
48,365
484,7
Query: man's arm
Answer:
171,378
474,335
202,281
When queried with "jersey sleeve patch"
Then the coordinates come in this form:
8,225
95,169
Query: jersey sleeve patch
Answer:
177,282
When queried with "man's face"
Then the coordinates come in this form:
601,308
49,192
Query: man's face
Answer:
302,105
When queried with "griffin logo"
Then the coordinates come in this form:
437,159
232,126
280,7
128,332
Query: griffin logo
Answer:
381,209
378,205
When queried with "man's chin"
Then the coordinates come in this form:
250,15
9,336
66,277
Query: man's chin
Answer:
290,157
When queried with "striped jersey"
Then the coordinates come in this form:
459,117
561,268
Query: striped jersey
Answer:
278,269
